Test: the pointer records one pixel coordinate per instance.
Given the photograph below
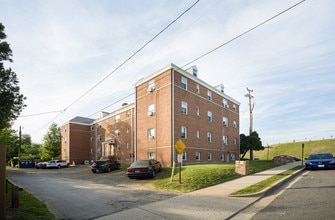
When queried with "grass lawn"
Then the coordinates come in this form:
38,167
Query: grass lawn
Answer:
194,177
30,208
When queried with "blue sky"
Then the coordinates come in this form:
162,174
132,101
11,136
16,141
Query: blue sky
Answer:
63,48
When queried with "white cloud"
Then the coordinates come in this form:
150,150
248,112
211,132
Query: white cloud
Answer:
61,49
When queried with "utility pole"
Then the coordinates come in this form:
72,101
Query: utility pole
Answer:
251,108
19,151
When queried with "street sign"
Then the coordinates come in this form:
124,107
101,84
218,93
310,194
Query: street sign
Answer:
180,146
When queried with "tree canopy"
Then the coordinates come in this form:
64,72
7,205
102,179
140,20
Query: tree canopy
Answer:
51,143
252,142
11,101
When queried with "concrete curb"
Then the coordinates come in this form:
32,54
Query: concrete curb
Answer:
265,191
271,188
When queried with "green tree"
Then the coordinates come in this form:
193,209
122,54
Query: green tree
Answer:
11,101
252,142
52,143
11,139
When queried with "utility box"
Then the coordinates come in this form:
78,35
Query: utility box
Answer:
242,167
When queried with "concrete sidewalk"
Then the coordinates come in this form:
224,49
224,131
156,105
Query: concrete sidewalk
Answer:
210,203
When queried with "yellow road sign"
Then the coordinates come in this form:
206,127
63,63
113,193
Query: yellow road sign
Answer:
180,146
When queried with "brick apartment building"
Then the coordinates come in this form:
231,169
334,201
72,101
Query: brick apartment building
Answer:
170,104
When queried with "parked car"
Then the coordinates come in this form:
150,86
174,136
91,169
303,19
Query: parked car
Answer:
324,160
143,168
41,165
57,164
104,166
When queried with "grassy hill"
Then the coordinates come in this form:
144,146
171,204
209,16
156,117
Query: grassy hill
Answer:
295,149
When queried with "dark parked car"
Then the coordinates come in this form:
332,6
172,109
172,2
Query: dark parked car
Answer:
323,160
41,165
104,166
143,168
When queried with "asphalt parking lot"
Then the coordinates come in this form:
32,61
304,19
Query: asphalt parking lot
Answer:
91,195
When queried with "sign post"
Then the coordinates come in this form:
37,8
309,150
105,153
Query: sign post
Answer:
302,154
180,147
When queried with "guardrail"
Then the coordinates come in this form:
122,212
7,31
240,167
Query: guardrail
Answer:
15,189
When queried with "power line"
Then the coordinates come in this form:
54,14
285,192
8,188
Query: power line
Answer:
125,61
244,33
136,52
41,113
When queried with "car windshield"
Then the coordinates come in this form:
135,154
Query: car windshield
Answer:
141,163
320,156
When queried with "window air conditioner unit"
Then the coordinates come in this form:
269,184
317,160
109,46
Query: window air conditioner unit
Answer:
150,113
151,89
151,137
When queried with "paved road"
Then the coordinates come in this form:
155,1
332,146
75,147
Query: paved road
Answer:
310,196
76,193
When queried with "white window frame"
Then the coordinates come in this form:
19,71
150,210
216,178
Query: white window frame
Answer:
224,121
197,156
209,116
234,107
198,134
151,85
198,111
151,134
234,124
151,110
209,95
183,83
117,132
209,136
225,139
183,132
209,156
151,155
197,89
184,107
225,103
117,118
184,156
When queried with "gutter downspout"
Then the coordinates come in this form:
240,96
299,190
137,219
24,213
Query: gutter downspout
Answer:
173,141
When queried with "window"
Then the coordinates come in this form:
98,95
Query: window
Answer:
197,155
209,116
99,137
234,107
118,147
184,156
151,86
198,111
225,140
222,157
117,118
234,124
225,103
235,140
184,107
117,133
183,83
209,136
225,122
198,134
197,89
209,156
209,95
151,155
151,110
183,132
151,134
92,139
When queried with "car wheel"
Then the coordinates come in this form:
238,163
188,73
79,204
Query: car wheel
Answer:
58,166
153,174
94,171
109,169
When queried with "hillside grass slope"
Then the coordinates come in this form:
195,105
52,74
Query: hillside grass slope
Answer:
295,149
